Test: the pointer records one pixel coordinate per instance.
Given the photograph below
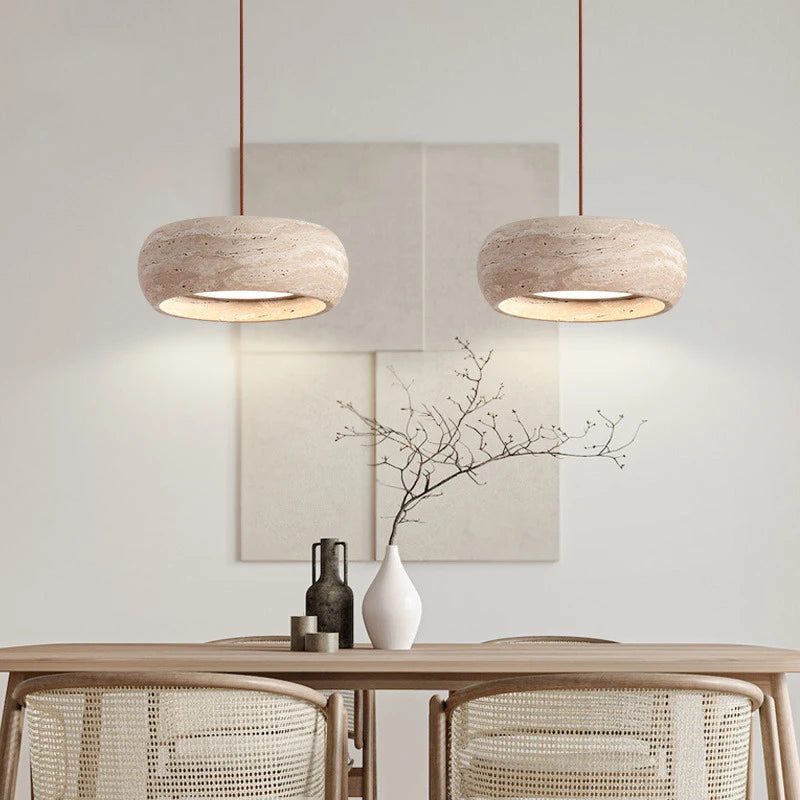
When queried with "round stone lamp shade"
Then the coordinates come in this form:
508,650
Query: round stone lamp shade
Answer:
581,269
242,269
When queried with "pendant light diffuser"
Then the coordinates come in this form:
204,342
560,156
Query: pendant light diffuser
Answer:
581,269
242,269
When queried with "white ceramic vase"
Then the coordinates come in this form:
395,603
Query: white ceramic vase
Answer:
392,608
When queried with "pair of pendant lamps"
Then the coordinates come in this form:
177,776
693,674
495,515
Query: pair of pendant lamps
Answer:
263,269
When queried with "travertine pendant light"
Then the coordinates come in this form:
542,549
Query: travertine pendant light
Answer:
581,269
242,269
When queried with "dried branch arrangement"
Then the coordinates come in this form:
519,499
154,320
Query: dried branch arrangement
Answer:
437,445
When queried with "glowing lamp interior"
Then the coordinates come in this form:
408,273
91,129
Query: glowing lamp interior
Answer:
244,294
576,307
584,294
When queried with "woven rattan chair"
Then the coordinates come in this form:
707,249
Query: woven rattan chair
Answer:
182,736
360,707
643,736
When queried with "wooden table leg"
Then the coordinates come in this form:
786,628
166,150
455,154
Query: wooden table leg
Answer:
437,755
356,775
772,756
10,738
355,782
790,763
358,719
369,772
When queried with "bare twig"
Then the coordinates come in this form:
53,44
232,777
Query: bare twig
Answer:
434,446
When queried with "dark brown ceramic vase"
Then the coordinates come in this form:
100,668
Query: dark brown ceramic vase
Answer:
329,598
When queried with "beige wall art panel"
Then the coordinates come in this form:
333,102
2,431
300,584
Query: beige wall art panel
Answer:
470,189
513,514
412,218
370,196
297,483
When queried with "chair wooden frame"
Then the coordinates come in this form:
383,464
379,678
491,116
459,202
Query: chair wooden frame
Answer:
332,708
362,780
441,709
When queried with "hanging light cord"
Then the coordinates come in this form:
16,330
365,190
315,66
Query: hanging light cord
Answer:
580,107
241,107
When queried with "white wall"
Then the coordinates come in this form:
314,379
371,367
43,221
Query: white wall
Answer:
118,426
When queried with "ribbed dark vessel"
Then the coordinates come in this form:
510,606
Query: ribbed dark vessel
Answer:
329,598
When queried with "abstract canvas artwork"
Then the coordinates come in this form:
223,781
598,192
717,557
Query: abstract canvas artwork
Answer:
509,511
297,483
412,218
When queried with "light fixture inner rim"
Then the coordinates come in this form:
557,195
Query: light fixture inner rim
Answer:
584,295
553,310
294,306
244,295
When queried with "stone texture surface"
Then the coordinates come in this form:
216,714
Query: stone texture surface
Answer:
181,259
581,253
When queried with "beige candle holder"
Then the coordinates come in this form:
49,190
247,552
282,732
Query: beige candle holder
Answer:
300,627
322,642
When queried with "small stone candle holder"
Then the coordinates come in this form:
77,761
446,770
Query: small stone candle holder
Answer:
322,642
300,627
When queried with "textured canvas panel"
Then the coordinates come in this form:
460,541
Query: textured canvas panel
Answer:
370,195
412,218
297,483
470,189
514,516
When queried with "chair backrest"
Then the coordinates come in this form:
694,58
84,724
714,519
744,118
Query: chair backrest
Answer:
126,736
550,640
255,640
348,695
643,736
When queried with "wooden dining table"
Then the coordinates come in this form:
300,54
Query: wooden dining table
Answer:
436,667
